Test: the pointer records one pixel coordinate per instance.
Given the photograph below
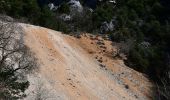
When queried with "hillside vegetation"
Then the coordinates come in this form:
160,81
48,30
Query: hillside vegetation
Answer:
143,25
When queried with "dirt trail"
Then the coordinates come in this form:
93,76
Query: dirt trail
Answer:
80,69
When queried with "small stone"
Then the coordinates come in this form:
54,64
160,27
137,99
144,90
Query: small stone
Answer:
136,96
103,66
126,86
69,79
100,60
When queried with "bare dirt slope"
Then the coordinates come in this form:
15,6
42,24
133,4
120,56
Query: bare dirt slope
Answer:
80,69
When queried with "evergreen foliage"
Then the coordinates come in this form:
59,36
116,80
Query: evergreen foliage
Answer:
142,21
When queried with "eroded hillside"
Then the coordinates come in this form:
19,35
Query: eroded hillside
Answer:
80,68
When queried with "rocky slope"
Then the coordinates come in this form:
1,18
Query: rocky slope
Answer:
80,68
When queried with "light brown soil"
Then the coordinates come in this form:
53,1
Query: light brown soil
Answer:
72,69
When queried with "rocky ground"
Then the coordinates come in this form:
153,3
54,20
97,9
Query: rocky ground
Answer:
82,67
